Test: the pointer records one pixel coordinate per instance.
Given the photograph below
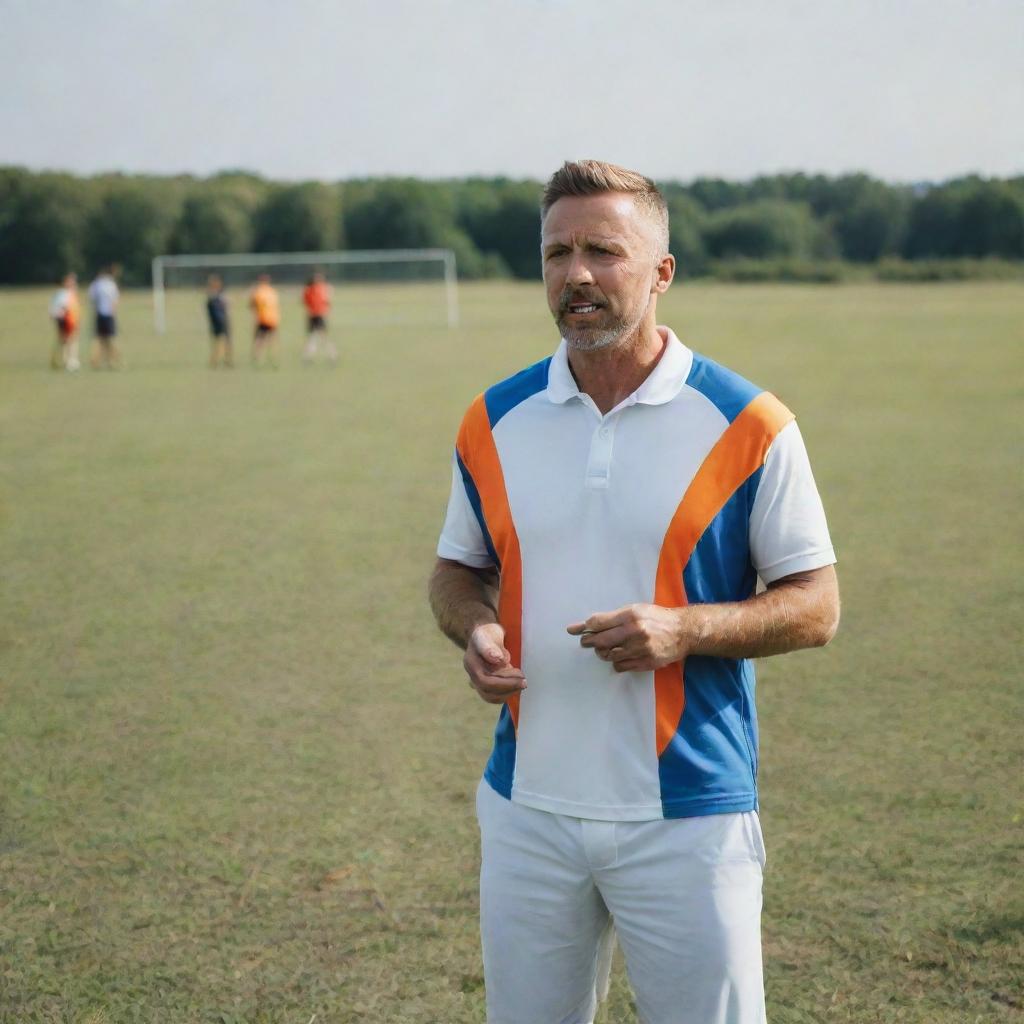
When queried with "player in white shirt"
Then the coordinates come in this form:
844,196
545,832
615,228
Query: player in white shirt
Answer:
105,297
64,312
612,508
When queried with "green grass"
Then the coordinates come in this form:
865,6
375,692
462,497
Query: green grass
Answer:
238,761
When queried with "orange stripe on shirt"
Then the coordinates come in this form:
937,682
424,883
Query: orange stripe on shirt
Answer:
480,456
739,452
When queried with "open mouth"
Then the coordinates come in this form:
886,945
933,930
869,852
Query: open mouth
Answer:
582,308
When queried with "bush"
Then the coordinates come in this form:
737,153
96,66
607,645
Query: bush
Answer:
922,271
755,271
766,229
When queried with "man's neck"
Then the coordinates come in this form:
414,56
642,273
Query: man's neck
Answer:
608,375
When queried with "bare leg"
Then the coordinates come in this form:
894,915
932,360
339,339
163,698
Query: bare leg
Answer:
329,348
309,351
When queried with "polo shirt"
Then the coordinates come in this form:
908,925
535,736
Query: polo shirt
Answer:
103,294
264,301
686,492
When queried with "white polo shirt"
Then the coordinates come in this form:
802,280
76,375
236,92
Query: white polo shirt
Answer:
103,294
687,491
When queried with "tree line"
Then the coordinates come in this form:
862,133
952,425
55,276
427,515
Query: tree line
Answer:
53,222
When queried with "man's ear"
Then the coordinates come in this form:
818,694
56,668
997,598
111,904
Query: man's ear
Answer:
664,272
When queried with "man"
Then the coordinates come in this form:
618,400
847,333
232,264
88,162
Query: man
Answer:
104,296
267,313
220,327
64,312
611,510
316,297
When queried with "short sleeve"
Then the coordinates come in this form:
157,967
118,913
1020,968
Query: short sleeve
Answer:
462,540
788,532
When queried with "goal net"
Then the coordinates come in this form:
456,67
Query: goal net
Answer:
370,287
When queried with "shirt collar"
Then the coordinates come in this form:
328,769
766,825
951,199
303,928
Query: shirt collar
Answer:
663,383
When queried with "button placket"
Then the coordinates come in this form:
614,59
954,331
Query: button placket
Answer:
599,461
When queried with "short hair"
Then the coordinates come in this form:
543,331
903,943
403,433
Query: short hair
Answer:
592,177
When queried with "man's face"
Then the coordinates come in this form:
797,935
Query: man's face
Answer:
600,256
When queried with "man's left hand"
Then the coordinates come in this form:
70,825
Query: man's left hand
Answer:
639,637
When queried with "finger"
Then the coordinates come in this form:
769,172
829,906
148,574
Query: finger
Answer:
606,620
499,686
491,699
508,675
606,639
634,665
487,641
494,654
490,650
475,665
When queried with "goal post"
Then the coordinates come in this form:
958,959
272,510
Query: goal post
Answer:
443,259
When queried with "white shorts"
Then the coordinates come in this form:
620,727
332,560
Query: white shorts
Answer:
684,895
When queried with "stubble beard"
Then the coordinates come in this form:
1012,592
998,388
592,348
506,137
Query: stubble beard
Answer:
593,339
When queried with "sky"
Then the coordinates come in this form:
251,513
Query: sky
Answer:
907,90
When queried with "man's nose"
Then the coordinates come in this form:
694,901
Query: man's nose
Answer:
579,271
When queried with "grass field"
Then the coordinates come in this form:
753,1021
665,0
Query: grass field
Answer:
238,762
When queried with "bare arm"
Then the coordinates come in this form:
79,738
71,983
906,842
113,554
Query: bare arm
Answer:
464,601
797,611
462,598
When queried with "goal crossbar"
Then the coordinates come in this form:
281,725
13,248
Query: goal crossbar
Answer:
263,259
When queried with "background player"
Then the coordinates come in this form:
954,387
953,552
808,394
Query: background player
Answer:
64,311
104,296
316,297
267,312
220,326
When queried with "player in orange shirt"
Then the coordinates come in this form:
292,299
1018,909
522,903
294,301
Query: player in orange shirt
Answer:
316,297
267,312
64,313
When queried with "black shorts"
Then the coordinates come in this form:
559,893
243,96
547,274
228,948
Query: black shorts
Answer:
262,329
220,331
317,323
106,327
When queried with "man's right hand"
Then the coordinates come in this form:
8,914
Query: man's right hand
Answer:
489,665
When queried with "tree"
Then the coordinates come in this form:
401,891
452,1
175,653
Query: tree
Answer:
216,217
990,221
297,218
871,220
503,219
42,221
402,213
766,229
130,225
932,227
685,221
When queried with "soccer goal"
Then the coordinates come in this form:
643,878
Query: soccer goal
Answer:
372,286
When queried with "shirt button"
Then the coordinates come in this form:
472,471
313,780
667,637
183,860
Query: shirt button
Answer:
604,431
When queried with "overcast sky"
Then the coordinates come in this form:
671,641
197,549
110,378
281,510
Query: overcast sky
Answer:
904,89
